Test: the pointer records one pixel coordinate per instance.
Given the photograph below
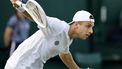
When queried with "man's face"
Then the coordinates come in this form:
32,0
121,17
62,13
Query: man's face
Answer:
84,29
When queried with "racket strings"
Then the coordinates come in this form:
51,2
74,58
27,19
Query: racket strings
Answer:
35,11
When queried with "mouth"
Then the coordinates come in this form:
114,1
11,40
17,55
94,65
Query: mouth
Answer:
87,35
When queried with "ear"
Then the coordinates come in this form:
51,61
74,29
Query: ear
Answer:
75,25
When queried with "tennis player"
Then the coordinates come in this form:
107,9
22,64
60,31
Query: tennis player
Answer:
53,40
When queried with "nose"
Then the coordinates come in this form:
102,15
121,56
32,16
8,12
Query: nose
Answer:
91,31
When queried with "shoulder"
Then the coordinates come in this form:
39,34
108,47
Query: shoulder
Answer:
12,21
13,17
57,25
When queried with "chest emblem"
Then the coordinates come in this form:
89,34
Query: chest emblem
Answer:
56,42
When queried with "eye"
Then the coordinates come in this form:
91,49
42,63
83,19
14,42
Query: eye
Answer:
88,26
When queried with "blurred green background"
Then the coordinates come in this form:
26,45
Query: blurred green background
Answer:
103,50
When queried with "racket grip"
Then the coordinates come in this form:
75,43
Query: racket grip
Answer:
19,6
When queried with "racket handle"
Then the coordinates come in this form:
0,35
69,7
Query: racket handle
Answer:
19,6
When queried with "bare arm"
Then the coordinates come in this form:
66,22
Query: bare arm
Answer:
7,36
68,60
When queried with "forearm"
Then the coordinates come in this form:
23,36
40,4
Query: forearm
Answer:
27,15
7,36
68,61
6,41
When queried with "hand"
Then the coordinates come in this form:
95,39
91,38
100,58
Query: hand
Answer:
14,3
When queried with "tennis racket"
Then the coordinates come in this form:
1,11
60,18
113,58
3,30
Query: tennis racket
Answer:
35,11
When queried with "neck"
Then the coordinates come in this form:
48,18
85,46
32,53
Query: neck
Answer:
71,32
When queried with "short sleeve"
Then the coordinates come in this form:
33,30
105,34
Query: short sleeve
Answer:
12,22
66,50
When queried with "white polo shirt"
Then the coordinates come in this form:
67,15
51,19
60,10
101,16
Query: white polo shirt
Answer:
41,46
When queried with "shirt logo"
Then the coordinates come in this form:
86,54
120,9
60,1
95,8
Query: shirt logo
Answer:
56,42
